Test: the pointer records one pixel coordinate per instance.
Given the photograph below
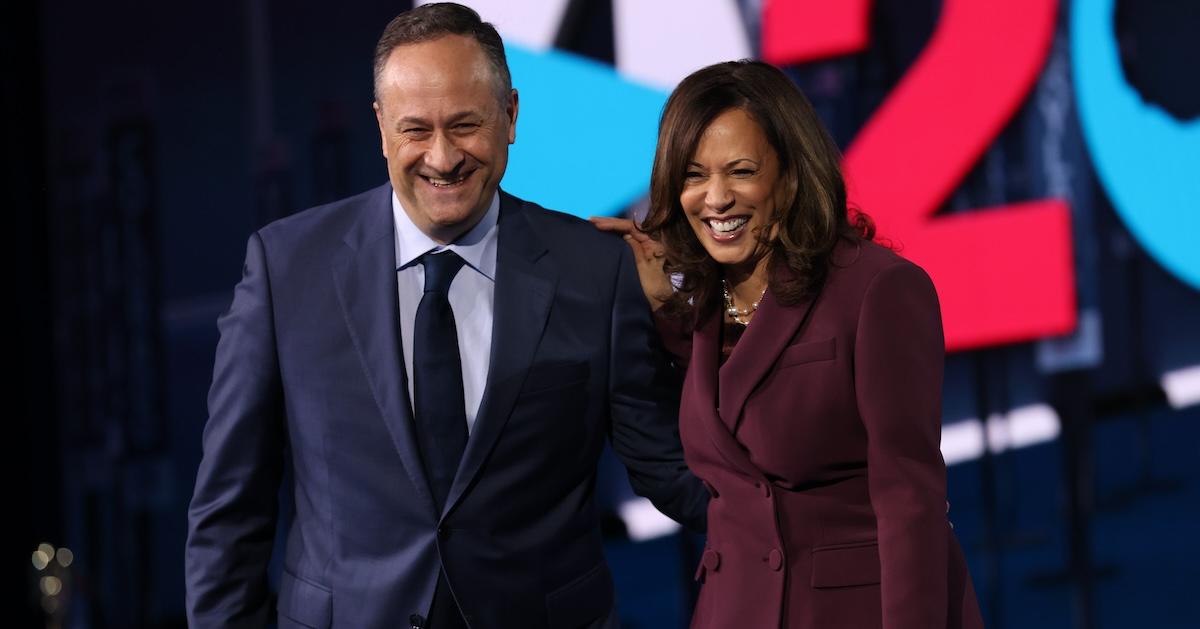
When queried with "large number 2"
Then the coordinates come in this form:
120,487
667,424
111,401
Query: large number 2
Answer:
1003,274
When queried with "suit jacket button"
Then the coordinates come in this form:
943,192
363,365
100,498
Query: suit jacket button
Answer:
712,560
417,621
775,559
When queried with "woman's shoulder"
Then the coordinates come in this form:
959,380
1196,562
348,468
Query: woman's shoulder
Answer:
856,256
856,263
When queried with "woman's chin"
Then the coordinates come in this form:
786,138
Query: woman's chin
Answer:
731,259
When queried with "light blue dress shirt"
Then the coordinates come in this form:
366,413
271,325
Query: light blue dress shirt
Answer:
472,295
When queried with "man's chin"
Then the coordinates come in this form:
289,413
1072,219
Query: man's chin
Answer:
453,221
453,214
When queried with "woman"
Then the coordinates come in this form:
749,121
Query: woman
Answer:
811,405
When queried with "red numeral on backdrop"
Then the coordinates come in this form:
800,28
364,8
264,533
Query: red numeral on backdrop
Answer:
1004,274
800,30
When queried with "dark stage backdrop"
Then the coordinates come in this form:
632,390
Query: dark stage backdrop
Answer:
1040,158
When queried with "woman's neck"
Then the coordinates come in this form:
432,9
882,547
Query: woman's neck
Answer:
747,285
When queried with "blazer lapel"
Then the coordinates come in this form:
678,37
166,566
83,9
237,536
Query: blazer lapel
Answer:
365,278
523,297
702,392
770,331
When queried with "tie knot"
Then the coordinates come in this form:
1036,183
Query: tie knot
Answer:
440,269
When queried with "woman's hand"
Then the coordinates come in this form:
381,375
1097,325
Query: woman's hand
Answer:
648,254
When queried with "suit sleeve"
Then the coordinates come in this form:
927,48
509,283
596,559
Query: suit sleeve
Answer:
231,520
898,361
676,337
644,394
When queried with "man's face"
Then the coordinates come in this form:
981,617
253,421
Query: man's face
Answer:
445,132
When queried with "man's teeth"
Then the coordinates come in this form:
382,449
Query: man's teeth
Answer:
729,225
441,183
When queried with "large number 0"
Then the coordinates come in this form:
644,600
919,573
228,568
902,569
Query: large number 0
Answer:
1146,159
1003,274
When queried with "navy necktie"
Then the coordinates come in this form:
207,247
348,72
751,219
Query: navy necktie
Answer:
441,417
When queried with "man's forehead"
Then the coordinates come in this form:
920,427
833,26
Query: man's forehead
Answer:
443,61
435,99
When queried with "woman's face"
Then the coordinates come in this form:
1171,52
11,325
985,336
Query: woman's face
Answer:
730,189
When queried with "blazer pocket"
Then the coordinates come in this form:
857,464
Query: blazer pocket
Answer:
807,352
304,603
556,375
585,599
845,565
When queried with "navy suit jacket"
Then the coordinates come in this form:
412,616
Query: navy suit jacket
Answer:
309,375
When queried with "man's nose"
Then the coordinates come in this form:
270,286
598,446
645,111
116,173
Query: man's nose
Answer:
443,155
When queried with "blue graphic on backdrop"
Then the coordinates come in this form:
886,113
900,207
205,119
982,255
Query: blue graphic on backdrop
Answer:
585,135
1147,161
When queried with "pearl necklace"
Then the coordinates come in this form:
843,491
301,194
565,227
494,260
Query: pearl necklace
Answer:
733,311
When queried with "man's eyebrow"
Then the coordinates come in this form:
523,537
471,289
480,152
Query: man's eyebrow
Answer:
417,121
412,121
469,113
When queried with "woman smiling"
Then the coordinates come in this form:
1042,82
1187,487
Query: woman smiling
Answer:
812,400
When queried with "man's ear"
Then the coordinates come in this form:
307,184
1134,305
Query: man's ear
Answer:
382,134
511,110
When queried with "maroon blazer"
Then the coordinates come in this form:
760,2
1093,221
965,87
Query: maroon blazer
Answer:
819,441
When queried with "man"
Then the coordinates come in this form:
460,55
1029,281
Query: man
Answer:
439,364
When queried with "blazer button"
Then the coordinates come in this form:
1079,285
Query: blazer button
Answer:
416,621
775,559
712,560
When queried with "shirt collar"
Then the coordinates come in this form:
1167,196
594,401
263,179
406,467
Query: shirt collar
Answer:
477,247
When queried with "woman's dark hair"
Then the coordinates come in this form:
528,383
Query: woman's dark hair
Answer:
807,224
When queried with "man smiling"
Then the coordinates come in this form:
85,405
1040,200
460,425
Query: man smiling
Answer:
446,116
438,363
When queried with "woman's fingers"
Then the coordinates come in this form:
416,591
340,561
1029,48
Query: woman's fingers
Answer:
647,254
644,247
612,224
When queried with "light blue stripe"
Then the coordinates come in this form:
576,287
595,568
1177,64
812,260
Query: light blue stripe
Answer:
585,135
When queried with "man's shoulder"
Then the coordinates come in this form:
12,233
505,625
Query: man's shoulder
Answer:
560,230
330,219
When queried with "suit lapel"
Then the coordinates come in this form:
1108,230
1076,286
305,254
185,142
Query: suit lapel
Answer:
523,296
703,392
720,393
365,278
769,333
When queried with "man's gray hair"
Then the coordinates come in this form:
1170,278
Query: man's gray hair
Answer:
431,21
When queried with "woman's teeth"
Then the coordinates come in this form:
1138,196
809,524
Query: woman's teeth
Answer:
725,227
